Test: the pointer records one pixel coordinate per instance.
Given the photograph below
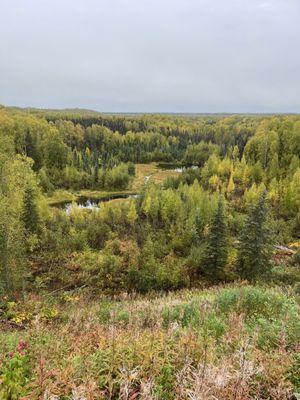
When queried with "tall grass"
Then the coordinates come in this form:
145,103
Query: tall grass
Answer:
223,343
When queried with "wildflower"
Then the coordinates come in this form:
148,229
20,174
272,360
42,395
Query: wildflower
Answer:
22,346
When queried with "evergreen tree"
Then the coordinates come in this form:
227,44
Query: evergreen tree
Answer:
216,252
255,242
96,173
30,212
131,169
31,150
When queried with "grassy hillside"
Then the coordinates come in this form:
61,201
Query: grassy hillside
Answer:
234,342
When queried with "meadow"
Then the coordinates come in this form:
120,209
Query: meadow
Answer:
227,342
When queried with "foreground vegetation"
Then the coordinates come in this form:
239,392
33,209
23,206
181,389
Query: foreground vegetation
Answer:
227,343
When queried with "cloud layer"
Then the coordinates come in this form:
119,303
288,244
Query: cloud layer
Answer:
151,55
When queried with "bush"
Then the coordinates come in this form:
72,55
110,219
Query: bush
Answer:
165,382
253,302
97,234
294,372
214,326
14,373
296,259
104,312
285,275
269,333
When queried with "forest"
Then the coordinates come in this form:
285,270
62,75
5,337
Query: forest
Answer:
183,279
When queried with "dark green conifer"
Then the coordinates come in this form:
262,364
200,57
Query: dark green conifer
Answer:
255,246
216,252
30,212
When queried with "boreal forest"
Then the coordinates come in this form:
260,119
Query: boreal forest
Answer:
149,256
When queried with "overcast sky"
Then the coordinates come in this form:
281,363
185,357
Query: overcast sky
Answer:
151,55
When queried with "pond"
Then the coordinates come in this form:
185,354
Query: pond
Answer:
91,203
175,167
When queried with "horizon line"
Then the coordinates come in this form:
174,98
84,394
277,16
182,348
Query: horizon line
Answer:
41,108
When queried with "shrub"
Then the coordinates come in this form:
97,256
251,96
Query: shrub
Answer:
286,275
294,372
296,259
97,234
253,302
165,383
214,326
269,333
14,373
171,315
104,312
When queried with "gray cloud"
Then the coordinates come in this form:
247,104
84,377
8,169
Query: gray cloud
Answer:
151,55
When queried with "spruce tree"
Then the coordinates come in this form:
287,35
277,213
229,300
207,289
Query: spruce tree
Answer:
255,247
216,252
96,173
30,212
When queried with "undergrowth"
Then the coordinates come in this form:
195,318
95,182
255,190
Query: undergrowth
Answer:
234,342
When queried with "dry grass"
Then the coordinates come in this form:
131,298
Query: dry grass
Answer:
151,172
178,346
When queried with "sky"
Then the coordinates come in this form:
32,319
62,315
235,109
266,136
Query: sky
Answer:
151,55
